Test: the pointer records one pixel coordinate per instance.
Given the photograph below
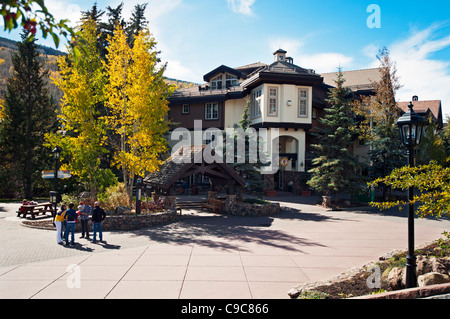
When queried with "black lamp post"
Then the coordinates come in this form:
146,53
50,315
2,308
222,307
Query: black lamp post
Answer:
411,127
54,195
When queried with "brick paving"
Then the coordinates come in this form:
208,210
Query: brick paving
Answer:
202,257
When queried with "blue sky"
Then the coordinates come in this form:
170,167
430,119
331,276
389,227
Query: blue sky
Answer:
196,36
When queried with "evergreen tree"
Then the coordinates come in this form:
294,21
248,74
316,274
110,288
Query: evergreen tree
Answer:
114,19
335,169
248,163
138,22
28,114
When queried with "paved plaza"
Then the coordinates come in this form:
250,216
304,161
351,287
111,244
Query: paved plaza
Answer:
203,256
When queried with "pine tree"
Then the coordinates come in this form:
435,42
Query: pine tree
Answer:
335,169
248,163
137,23
28,114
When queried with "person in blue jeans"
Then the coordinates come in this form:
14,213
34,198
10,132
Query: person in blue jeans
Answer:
98,215
70,217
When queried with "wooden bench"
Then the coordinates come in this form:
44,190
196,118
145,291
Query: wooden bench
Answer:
34,210
188,205
213,204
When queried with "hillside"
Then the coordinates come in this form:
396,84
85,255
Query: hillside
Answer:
50,56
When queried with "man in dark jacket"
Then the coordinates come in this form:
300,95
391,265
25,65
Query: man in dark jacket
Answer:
70,217
98,215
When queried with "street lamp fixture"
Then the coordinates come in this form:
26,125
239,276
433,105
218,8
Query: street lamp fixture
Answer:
411,126
54,195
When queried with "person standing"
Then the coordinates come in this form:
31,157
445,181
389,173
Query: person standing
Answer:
98,215
84,218
71,218
59,218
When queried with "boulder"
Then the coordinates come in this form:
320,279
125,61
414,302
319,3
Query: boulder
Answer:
432,278
431,264
122,210
396,278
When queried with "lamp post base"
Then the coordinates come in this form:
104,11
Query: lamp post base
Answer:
411,277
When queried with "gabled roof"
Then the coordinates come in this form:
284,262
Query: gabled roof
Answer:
423,107
282,72
356,80
223,69
190,160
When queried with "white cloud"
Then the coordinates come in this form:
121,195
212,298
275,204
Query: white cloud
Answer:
62,10
241,6
320,62
418,72
176,70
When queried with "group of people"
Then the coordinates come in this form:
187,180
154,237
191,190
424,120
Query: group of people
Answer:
66,219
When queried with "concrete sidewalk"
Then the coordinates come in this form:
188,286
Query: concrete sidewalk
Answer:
213,257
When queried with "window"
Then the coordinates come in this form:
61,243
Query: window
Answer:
231,80
185,109
212,111
255,110
216,83
302,102
273,102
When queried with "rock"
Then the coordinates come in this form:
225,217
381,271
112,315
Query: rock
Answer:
430,264
294,293
432,278
121,210
397,278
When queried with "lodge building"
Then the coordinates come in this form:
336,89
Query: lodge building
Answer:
285,99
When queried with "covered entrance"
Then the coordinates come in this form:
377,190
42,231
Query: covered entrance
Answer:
190,161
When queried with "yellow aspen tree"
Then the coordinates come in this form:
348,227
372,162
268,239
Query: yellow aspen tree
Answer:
137,104
82,82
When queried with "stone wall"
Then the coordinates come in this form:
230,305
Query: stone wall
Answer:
232,207
132,222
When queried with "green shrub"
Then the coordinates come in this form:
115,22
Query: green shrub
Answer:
114,196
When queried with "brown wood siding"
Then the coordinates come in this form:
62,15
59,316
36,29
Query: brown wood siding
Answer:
196,112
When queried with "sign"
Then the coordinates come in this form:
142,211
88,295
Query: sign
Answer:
284,161
51,174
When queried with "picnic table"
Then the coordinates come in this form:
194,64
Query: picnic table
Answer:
33,210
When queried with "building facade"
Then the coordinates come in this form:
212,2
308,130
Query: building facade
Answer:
285,100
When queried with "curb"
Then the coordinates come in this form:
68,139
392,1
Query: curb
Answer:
412,293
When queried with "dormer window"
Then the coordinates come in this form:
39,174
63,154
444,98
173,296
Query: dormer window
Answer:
216,83
231,80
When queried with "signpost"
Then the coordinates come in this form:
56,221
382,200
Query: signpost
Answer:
51,174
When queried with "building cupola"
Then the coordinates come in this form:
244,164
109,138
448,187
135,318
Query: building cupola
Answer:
280,55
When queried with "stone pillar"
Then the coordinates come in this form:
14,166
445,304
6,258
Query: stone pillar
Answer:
155,196
212,195
171,203
229,204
